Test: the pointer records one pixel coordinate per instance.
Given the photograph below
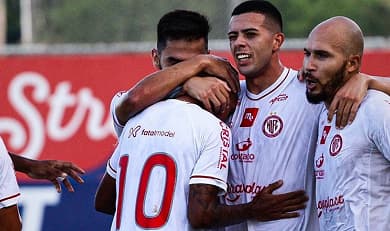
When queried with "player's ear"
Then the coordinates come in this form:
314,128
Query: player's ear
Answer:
156,59
278,41
353,63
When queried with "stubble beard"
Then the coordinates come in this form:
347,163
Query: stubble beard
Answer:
329,89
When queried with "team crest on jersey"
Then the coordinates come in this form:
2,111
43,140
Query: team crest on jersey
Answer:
319,162
272,126
336,145
325,134
249,117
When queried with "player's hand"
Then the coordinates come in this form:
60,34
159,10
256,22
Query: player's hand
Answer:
212,92
56,171
221,68
267,206
347,100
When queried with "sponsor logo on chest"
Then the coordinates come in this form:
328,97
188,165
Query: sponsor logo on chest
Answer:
243,154
249,117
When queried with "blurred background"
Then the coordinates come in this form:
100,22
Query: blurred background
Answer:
61,62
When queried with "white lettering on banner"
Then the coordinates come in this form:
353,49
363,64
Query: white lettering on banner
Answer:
83,101
34,200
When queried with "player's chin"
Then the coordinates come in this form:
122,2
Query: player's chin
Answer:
314,98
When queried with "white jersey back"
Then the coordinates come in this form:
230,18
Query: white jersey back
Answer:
274,135
9,190
162,150
352,168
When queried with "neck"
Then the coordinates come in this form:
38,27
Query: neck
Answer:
265,78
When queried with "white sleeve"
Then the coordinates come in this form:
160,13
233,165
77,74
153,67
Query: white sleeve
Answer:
212,165
379,128
113,162
9,189
114,102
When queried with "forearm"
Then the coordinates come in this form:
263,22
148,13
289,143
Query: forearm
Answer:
21,164
225,215
205,211
380,84
155,87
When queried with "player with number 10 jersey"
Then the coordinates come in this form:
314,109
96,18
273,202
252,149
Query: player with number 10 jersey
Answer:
161,151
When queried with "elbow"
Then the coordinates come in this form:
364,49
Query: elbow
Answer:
128,107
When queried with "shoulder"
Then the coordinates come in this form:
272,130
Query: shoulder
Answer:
375,105
376,100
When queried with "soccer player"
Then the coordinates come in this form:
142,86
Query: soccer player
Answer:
179,145
9,193
352,165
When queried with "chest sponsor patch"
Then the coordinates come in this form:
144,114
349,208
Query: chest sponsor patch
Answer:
325,133
249,117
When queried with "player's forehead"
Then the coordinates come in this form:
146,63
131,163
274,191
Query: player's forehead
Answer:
184,49
246,21
318,40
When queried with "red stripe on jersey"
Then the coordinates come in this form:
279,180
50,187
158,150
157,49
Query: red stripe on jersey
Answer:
10,197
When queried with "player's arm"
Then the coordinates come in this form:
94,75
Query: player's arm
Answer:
205,210
379,83
106,195
55,171
157,85
10,219
348,98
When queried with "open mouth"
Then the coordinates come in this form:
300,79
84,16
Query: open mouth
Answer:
310,83
242,57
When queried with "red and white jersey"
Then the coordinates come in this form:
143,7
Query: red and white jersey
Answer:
114,102
161,151
352,168
274,138
9,190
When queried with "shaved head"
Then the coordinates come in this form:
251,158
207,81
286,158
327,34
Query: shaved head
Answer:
333,54
343,32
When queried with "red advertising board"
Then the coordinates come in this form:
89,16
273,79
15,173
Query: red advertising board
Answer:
58,106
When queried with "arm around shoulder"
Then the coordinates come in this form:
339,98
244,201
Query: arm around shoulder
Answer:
379,83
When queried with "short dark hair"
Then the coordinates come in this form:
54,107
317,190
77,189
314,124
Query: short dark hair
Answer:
182,25
262,7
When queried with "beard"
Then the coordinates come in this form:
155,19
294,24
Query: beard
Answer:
329,89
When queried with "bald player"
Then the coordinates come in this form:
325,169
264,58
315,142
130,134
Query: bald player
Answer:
352,165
